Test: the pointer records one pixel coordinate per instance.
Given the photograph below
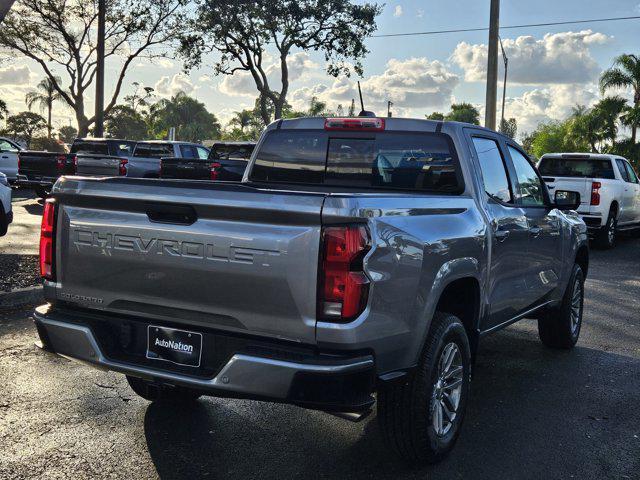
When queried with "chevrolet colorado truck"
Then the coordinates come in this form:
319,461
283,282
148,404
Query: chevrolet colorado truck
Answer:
360,260
609,189
226,161
88,156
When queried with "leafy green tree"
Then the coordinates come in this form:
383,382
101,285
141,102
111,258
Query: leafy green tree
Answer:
239,33
4,111
67,134
125,123
625,73
47,144
242,119
631,118
435,116
61,36
26,125
509,127
141,98
608,111
317,107
464,112
44,96
191,119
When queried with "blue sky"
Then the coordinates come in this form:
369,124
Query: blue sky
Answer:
551,68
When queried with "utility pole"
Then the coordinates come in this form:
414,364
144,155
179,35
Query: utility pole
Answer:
389,105
492,66
504,83
99,116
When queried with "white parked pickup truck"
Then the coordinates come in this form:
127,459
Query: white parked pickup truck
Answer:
608,187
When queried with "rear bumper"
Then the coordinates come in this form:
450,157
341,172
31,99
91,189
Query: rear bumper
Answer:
248,368
24,181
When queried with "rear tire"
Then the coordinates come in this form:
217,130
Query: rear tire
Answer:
606,236
162,393
421,418
4,222
560,327
42,192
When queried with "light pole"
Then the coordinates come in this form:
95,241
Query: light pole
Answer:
492,66
99,116
504,83
389,105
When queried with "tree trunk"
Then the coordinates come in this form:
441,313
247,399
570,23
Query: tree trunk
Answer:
83,126
49,128
264,112
633,135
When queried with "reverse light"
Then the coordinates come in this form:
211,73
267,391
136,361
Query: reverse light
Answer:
343,287
47,231
355,124
122,167
215,170
595,193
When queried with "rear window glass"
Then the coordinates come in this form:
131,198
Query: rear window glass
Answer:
575,167
153,150
394,160
234,152
123,149
90,148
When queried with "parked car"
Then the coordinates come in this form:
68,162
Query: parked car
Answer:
88,157
6,213
226,161
9,158
358,255
608,187
146,156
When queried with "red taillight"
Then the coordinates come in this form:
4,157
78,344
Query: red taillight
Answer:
343,286
122,167
595,193
215,170
60,162
74,159
47,230
365,124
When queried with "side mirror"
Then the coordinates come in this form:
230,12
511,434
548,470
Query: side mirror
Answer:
566,200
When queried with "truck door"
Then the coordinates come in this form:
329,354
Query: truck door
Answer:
508,294
544,245
627,208
634,187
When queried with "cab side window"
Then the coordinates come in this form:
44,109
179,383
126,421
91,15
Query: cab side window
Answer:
494,174
530,189
633,178
623,169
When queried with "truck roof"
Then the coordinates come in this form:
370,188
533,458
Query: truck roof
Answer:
581,155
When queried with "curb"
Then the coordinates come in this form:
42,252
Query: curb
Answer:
21,296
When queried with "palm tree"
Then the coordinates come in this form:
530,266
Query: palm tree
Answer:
625,73
242,119
608,111
45,95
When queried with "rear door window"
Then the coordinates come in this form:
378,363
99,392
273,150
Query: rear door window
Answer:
633,178
623,169
390,160
153,150
203,153
493,168
188,151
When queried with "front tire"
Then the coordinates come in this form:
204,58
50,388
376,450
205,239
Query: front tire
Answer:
560,327
161,393
421,418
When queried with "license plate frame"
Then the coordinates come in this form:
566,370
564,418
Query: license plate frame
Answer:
171,345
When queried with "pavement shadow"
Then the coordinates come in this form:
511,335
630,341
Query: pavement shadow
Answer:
534,413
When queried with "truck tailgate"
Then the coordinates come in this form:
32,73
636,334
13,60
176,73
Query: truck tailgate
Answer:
98,165
574,184
186,168
224,256
39,164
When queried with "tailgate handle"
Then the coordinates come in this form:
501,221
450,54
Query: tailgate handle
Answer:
174,214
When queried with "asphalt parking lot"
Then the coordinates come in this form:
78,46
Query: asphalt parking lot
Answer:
534,412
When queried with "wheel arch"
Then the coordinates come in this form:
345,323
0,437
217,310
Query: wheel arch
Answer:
582,258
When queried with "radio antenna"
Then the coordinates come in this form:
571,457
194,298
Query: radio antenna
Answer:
363,112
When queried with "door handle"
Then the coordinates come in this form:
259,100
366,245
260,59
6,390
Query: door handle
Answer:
173,214
535,231
501,235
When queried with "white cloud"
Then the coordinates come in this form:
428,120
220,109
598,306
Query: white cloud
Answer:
412,85
420,13
554,102
167,87
397,12
13,75
557,58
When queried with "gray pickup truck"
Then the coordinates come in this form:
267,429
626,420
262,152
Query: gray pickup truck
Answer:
359,260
